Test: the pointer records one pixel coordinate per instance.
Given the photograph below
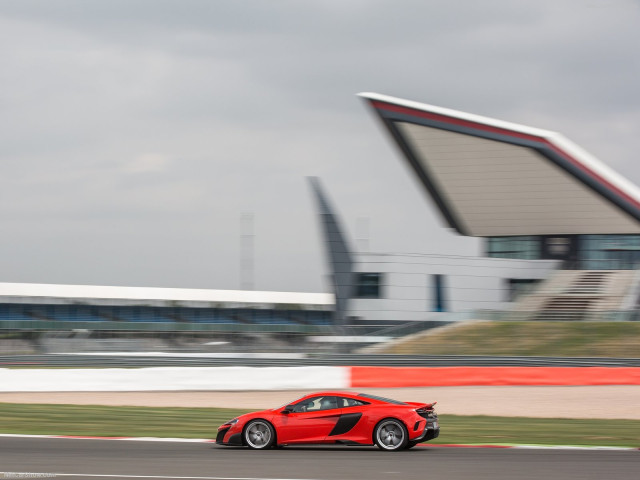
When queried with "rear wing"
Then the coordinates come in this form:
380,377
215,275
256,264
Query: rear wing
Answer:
422,407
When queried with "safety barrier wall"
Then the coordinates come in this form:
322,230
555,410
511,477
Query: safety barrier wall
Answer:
172,378
302,378
465,376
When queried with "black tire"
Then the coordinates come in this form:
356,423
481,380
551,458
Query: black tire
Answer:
259,434
390,435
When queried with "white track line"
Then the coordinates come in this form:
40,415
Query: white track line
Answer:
573,447
128,439
171,478
425,445
167,477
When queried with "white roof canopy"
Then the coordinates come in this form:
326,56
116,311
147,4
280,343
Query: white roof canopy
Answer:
143,295
493,178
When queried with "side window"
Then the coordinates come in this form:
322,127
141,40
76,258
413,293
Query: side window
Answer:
316,404
307,405
349,402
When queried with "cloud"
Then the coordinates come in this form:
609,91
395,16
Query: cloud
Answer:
134,134
147,163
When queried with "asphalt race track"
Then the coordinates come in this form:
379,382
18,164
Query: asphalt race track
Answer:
86,459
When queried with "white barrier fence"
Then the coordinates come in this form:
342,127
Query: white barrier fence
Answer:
172,378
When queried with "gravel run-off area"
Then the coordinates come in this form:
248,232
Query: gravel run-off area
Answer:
552,402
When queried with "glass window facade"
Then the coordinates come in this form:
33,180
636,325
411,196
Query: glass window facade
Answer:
584,252
520,286
369,285
439,297
150,314
524,247
609,252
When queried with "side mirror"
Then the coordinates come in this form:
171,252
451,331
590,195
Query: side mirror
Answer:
288,409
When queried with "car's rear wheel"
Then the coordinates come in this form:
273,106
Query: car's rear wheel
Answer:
391,434
259,434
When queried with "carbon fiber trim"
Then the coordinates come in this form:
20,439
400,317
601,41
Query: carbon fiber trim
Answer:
345,423
235,439
221,434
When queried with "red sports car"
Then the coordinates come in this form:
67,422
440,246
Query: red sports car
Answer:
335,417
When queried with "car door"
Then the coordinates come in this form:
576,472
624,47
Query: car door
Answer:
311,420
353,424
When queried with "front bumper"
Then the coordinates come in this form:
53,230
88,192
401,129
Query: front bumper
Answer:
233,439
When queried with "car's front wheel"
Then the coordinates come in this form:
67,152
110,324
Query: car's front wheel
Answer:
391,434
259,434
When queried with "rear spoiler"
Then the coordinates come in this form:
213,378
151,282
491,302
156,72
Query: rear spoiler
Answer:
423,407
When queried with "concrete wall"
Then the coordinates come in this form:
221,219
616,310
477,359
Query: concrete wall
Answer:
470,283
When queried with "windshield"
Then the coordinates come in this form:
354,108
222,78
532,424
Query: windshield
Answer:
382,399
290,403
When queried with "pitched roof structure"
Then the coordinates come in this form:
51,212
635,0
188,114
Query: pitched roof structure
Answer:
494,178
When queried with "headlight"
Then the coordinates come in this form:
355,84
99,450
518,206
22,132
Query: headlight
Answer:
231,422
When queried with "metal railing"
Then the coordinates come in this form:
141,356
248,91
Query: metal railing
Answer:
108,326
563,315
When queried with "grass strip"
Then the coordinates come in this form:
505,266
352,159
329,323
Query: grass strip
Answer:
561,339
107,421
538,431
103,421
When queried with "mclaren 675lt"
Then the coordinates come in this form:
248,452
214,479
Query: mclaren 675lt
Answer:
335,418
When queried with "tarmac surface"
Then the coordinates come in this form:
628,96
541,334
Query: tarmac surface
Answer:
86,459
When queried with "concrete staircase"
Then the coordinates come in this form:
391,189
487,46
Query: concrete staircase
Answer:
580,295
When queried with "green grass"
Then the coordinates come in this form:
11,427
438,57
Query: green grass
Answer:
102,421
538,431
561,339
202,423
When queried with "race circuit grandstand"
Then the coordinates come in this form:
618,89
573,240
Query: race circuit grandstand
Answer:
39,307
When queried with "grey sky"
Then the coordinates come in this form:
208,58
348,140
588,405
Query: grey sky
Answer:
133,134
